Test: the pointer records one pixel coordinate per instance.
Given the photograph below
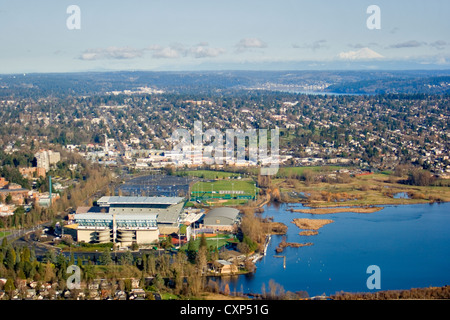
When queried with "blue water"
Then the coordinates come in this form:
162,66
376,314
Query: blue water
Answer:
410,244
401,195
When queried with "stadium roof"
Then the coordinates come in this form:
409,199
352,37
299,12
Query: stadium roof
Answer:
93,216
105,201
106,216
226,212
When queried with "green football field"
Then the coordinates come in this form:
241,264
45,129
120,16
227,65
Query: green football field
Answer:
235,187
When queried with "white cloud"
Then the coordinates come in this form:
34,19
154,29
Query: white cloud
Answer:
361,54
165,53
174,51
111,53
362,45
206,52
250,43
313,46
178,50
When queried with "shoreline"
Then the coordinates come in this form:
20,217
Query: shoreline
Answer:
394,202
311,224
337,210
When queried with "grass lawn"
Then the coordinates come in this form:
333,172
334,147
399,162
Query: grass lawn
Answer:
248,186
219,240
4,233
289,171
208,189
169,296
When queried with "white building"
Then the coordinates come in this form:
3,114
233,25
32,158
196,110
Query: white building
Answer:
46,158
125,220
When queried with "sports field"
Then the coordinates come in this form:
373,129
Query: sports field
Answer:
224,189
218,240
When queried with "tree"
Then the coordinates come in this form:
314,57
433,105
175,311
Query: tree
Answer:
49,272
134,246
10,259
26,254
126,258
203,241
201,259
8,199
243,248
9,286
308,176
420,178
4,243
191,252
29,269
105,258
50,256
151,264
158,282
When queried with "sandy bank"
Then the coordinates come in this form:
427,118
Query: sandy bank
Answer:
285,244
337,210
308,233
311,224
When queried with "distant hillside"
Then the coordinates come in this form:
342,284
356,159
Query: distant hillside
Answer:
429,85
223,82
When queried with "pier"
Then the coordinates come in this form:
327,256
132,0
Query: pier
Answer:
284,260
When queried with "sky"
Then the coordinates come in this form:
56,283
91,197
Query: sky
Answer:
181,35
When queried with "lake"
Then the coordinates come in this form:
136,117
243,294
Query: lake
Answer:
409,243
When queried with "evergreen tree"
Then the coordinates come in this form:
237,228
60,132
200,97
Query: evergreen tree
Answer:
4,243
50,256
203,243
71,259
158,282
126,258
105,258
9,286
26,254
10,259
191,252
49,273
32,255
28,269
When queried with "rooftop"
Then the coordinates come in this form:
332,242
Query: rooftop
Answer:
226,212
115,200
106,216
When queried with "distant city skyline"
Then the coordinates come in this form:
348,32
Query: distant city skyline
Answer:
233,35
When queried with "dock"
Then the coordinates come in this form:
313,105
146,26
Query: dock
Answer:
284,260
266,243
